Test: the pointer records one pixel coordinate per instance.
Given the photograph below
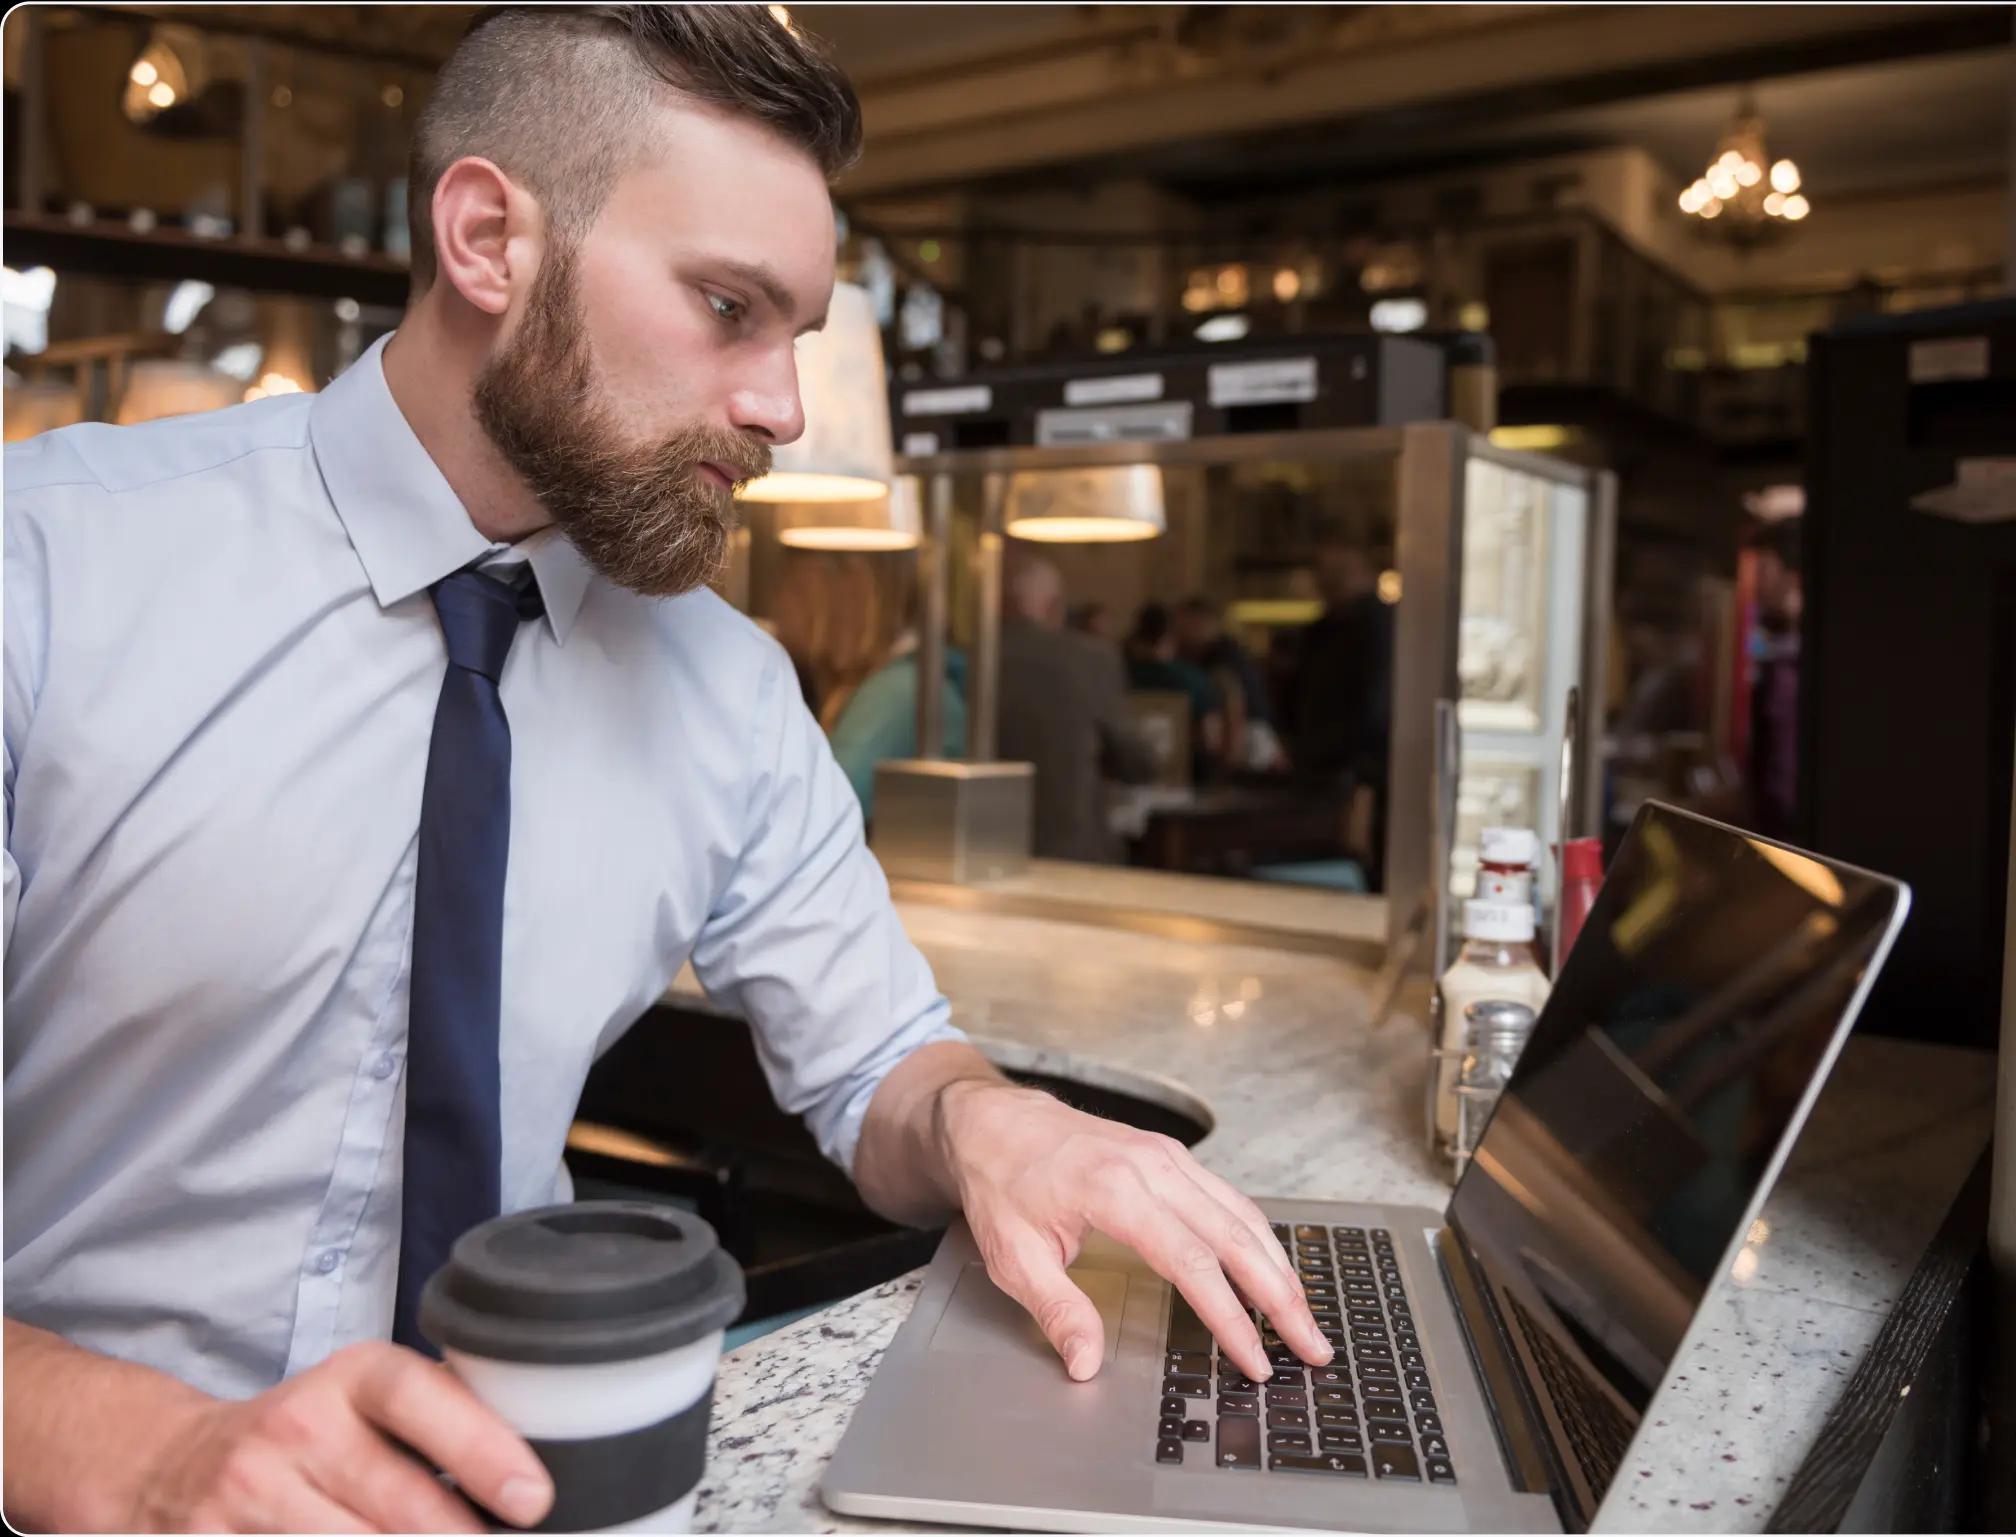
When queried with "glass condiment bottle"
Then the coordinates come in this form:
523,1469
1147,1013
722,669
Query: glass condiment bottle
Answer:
1498,1031
1496,964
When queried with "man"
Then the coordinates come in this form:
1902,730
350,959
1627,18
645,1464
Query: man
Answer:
373,757
1339,714
1341,700
1063,708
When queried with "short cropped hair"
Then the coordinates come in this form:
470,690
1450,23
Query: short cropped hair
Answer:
1151,624
562,98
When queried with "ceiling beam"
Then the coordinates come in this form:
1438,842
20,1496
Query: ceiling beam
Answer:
1370,70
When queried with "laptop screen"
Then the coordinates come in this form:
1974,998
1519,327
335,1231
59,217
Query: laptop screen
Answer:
1706,993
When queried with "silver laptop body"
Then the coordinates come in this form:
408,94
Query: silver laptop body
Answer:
1535,1318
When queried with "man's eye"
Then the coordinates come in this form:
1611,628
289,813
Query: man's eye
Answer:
725,309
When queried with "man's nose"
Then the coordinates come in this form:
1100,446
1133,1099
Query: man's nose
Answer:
770,407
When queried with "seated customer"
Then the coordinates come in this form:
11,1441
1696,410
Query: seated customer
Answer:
1064,709
879,719
1203,641
1094,619
1152,663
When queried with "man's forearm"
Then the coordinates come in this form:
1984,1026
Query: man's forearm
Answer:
901,1164
76,1422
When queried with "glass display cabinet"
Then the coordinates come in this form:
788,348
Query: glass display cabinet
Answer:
1497,574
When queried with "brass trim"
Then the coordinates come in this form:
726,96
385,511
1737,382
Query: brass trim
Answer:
1138,920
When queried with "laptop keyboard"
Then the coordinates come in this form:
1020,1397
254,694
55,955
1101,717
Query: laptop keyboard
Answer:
1597,1430
1369,1414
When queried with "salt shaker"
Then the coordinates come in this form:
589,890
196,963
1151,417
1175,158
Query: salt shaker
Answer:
1497,1030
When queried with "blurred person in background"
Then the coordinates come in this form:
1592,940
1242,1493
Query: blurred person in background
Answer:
830,613
1154,665
1203,641
1096,620
877,719
1338,713
1064,709
1774,683
1339,709
1663,697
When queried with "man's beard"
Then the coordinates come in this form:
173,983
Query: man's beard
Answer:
645,516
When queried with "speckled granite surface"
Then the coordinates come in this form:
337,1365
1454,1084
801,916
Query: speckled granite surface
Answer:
1306,1102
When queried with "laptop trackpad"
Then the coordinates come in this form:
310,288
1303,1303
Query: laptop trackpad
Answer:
983,1319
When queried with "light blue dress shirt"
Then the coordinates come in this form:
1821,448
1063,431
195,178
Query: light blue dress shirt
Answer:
221,665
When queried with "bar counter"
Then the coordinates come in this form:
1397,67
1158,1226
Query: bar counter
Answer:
1305,1100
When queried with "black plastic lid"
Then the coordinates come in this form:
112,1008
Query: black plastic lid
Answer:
592,1281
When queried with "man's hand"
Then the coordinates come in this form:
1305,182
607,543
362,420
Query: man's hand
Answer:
1034,1175
97,1444
320,1453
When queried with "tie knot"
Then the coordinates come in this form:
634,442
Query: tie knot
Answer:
480,617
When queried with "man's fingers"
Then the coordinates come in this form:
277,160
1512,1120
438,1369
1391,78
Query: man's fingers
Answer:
1228,1196
305,1508
1145,1220
422,1404
357,1465
1274,1287
261,1487
1027,1269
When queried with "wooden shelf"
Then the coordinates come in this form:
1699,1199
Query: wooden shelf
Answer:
169,255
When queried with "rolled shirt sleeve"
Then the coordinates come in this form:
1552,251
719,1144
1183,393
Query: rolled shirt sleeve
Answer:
803,940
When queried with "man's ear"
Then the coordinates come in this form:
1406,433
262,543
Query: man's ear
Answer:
487,233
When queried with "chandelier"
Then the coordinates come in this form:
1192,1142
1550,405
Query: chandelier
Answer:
1746,196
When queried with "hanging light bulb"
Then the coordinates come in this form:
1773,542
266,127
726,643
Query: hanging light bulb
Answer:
157,79
1784,177
1796,207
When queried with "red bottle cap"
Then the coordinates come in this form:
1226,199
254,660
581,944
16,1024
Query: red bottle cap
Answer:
1582,859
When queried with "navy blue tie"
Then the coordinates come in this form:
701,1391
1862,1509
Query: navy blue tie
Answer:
454,1140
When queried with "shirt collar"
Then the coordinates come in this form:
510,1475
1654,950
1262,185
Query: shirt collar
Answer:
404,520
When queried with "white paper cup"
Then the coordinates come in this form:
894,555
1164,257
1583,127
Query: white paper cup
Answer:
594,1330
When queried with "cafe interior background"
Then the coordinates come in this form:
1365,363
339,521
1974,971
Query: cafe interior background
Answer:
1541,339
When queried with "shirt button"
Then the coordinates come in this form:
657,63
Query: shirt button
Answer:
328,1260
385,1066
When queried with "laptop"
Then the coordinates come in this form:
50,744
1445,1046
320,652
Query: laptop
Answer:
1495,1359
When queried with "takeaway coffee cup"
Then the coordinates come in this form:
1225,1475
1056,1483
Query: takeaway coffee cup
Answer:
594,1330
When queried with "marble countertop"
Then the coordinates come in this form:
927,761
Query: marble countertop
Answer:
1306,1101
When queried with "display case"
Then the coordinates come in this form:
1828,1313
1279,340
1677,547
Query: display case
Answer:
1498,586
1520,648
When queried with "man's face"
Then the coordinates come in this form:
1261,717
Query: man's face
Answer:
650,369
1341,573
1195,631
